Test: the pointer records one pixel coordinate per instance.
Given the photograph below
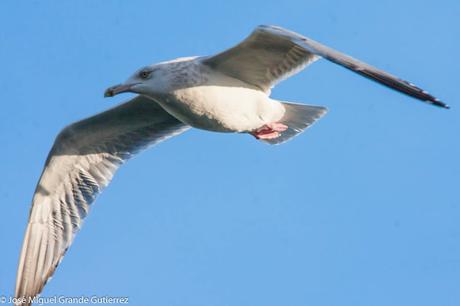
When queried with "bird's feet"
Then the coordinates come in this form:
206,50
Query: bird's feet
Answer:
269,131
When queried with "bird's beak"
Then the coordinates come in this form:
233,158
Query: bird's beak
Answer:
115,90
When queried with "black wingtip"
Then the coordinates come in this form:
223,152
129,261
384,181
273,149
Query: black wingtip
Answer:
440,104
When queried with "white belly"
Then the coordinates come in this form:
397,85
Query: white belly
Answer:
222,108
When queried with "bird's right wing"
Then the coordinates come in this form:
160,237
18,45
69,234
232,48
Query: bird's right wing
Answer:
81,163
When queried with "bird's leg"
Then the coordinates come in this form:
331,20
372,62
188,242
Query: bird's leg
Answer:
269,131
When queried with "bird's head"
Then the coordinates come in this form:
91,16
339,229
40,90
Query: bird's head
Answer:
146,81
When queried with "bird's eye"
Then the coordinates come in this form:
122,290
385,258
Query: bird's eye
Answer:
145,74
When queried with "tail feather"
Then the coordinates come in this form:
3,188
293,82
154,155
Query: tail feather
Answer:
297,117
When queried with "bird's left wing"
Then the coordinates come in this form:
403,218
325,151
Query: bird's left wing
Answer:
81,163
272,53
262,59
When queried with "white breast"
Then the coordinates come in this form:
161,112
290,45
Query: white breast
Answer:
223,104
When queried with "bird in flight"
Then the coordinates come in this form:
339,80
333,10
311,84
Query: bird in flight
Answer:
226,92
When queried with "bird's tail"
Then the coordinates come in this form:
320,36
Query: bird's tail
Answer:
297,118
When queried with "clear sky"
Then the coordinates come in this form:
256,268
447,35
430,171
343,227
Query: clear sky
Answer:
362,209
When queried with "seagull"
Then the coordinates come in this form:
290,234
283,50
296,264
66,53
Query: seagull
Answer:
228,92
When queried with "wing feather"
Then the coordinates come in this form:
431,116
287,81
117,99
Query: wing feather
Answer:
81,163
271,54
262,59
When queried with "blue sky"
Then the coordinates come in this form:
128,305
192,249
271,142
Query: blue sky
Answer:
360,210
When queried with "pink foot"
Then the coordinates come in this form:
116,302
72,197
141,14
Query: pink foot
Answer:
269,131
